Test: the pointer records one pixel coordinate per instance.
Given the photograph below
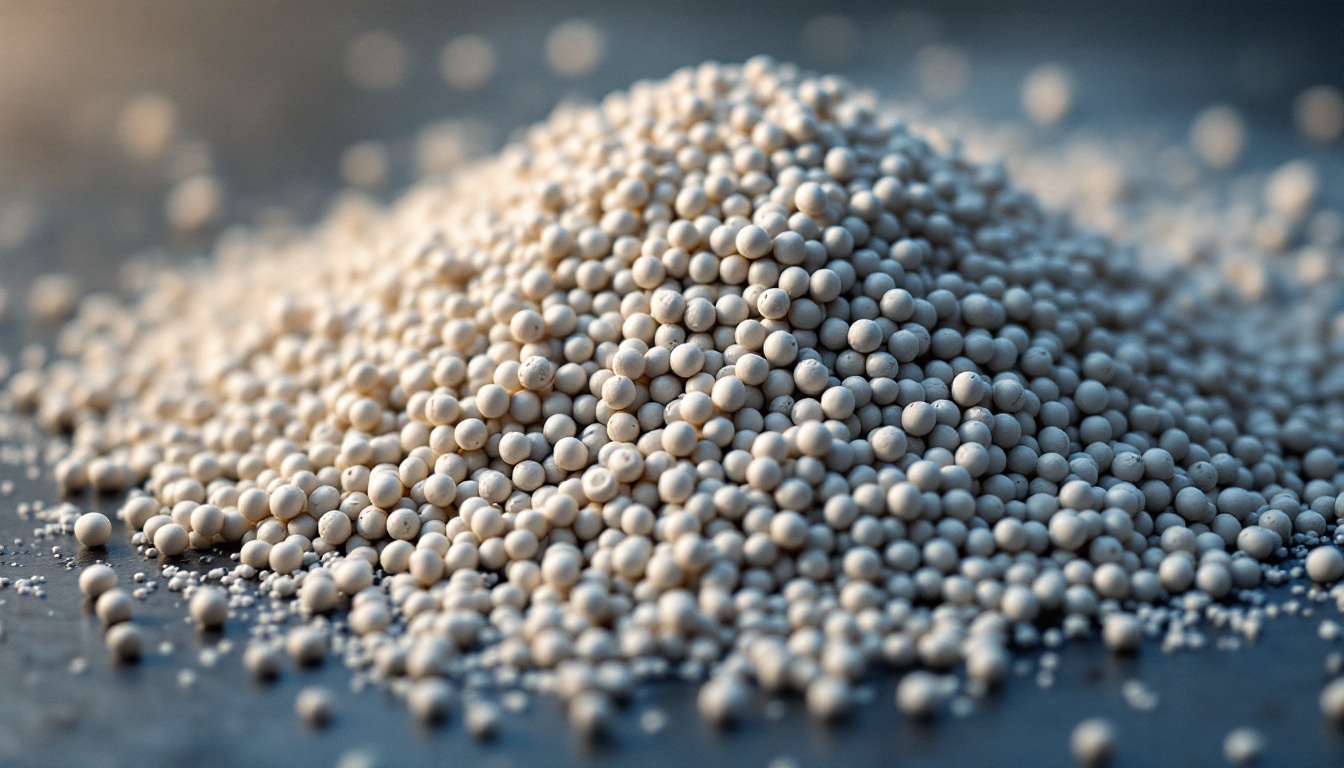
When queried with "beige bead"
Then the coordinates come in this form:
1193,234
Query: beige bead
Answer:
93,529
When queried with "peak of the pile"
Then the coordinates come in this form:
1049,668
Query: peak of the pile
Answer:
728,377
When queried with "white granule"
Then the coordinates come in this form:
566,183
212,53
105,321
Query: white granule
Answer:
146,125
1319,113
1047,94
730,378
1218,136
574,48
364,165
467,62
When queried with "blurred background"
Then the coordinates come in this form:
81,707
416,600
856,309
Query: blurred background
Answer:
136,133
130,127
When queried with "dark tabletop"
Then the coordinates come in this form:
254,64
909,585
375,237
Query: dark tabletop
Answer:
263,83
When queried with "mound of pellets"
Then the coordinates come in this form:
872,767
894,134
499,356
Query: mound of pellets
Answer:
727,378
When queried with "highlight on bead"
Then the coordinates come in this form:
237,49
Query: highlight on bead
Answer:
734,377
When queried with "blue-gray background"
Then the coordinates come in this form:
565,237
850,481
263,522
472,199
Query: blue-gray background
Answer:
264,85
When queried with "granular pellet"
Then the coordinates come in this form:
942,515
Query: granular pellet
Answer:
731,378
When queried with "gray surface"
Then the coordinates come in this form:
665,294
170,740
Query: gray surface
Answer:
139,715
262,82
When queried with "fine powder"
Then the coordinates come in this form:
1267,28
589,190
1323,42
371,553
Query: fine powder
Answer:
730,378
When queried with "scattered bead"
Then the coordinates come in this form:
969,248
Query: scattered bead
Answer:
1243,746
728,378
93,529
314,706
209,607
96,579
125,642
1092,742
